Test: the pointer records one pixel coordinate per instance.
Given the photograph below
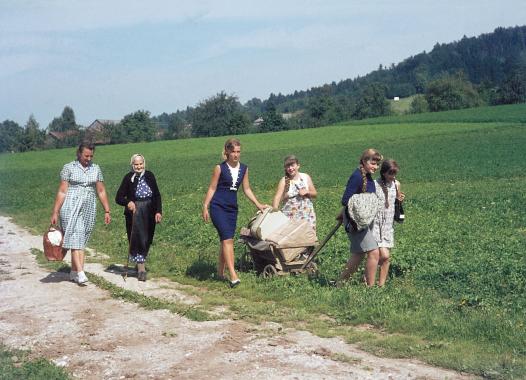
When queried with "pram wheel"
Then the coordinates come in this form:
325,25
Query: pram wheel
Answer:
269,271
311,269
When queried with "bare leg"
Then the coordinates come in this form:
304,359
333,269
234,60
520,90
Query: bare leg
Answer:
227,247
77,260
141,267
221,263
351,266
384,263
371,266
64,252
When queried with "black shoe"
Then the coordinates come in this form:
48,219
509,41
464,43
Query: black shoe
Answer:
141,276
235,283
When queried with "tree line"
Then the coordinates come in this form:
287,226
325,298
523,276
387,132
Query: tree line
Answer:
485,70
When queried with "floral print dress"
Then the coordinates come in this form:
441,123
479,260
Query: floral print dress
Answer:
297,207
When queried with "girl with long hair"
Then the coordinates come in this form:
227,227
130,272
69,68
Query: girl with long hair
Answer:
362,241
387,189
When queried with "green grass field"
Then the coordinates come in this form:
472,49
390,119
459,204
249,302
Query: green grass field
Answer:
455,297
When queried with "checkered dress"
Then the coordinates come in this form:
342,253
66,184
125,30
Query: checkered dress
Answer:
77,214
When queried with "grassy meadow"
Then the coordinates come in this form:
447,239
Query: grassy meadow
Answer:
455,296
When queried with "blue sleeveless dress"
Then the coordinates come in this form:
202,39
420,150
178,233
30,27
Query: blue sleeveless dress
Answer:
223,207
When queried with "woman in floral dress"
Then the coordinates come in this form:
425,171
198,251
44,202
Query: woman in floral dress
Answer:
296,191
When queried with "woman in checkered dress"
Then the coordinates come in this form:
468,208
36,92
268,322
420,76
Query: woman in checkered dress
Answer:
81,182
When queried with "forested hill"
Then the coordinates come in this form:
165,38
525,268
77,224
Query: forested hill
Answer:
488,60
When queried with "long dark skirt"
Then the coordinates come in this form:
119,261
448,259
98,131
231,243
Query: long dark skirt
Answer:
140,228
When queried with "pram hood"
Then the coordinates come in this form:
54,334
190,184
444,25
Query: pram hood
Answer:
280,231
295,233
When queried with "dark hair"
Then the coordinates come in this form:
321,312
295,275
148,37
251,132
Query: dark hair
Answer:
387,165
289,160
85,145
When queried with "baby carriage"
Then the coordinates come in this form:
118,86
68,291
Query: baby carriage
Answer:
279,246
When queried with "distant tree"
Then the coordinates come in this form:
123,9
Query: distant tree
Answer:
513,89
65,122
178,128
372,102
452,92
272,120
136,127
218,116
11,136
254,108
33,136
419,104
318,107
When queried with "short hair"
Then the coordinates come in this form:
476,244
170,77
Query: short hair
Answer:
85,145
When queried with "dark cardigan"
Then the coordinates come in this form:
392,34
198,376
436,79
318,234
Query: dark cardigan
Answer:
126,192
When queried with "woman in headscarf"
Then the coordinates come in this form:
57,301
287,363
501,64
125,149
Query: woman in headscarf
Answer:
140,196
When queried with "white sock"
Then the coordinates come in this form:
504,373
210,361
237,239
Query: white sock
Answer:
82,277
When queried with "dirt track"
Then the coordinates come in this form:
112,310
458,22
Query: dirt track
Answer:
96,337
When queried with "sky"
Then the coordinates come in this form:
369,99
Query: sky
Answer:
107,59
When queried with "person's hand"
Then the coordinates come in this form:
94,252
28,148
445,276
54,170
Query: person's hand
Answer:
401,196
131,206
339,217
205,215
303,192
158,218
54,218
107,218
263,207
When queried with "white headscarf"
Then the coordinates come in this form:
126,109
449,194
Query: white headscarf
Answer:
137,155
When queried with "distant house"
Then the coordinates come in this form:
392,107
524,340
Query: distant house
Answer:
97,132
258,122
396,98
61,136
290,115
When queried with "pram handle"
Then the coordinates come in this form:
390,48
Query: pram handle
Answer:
321,245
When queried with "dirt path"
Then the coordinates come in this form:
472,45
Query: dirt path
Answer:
97,337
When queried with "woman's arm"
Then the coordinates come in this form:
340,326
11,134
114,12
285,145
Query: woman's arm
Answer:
312,192
103,197
250,195
211,191
280,193
59,200
353,184
399,195
121,198
157,203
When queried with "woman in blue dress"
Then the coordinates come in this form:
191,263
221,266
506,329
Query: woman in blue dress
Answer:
221,198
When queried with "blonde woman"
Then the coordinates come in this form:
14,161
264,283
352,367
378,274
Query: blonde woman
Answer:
221,198
141,199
